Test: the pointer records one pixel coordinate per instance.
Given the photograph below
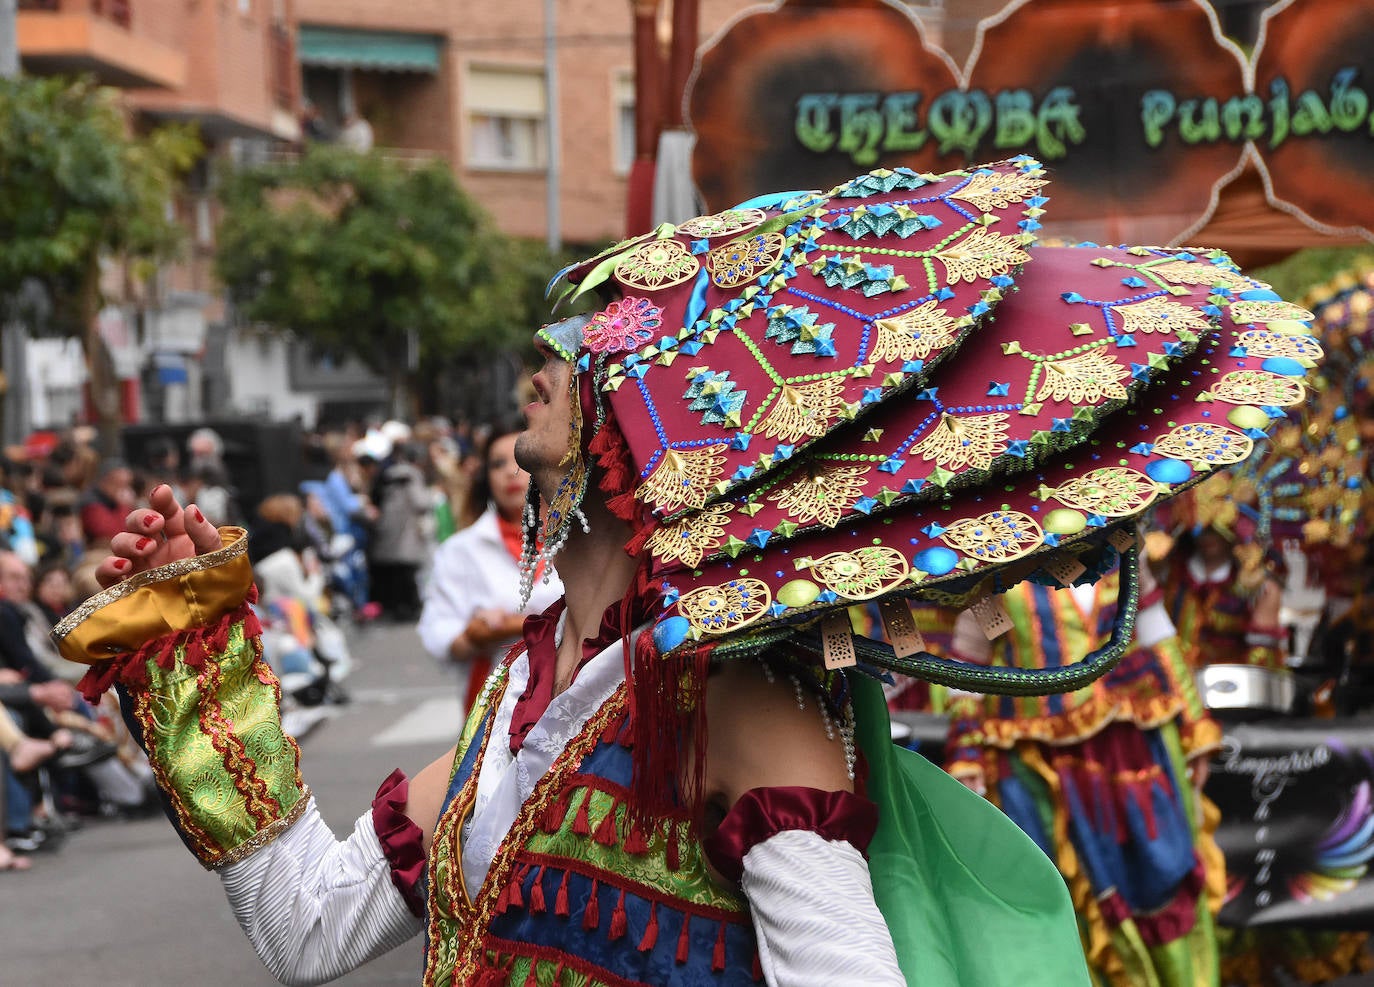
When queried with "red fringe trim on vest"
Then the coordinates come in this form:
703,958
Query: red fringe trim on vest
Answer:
650,938
620,920
684,939
537,905
591,915
560,901
668,727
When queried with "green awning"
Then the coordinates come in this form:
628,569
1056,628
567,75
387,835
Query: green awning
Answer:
391,51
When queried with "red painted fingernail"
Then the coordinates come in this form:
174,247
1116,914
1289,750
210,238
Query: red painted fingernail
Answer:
149,519
121,564
142,543
199,516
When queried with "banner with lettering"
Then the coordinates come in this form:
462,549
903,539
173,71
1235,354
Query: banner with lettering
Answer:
1143,111
1297,823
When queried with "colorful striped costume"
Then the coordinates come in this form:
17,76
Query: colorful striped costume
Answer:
1098,778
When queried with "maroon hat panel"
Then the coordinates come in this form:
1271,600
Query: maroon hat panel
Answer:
1084,329
803,321
1203,413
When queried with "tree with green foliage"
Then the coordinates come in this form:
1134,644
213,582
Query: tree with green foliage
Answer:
77,187
362,255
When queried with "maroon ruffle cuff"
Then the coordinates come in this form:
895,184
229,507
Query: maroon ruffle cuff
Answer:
762,813
402,842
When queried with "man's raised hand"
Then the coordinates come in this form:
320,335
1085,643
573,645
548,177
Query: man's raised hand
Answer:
155,535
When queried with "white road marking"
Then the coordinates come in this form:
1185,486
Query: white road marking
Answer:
437,719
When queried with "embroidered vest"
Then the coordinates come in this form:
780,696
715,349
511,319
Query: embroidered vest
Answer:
574,887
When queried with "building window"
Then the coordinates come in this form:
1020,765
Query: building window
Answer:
506,118
623,122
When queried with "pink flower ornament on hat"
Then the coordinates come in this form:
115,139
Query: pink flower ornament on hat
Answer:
626,324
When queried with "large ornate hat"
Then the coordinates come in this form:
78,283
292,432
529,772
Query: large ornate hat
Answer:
888,391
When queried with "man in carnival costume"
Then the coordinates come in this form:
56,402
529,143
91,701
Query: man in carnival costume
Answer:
685,774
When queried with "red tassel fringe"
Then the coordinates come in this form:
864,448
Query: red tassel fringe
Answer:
560,901
684,938
650,937
620,921
131,670
635,840
611,454
718,954
607,832
582,823
537,905
491,976
591,916
554,814
668,693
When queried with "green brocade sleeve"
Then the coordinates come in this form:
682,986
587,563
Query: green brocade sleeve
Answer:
180,642
969,899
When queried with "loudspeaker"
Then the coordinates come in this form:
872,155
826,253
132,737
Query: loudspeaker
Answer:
262,458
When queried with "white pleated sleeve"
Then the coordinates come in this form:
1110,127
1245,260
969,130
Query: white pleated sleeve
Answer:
315,908
814,914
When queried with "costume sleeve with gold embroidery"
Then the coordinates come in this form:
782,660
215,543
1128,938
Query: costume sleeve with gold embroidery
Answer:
180,642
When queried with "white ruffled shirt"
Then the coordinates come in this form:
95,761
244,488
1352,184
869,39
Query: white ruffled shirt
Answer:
507,779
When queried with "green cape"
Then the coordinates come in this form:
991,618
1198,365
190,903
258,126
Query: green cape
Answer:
970,900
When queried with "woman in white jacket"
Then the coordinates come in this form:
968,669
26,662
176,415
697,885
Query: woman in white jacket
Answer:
472,609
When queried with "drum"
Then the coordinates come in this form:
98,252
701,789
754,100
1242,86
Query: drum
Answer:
1238,690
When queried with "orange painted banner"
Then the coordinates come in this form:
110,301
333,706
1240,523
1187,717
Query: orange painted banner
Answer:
1143,111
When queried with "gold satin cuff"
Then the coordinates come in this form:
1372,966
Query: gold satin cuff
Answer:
174,597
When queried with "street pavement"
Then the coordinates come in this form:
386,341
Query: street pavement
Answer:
123,904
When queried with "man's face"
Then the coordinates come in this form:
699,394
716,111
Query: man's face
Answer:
117,484
1212,547
544,443
15,582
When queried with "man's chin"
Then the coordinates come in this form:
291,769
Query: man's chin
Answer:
525,456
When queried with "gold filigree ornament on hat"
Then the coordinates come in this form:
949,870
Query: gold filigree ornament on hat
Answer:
656,264
727,223
887,390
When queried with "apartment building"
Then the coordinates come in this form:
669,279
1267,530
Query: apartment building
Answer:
466,80
226,66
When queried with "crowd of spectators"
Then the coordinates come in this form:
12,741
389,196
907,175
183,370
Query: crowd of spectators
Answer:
352,544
